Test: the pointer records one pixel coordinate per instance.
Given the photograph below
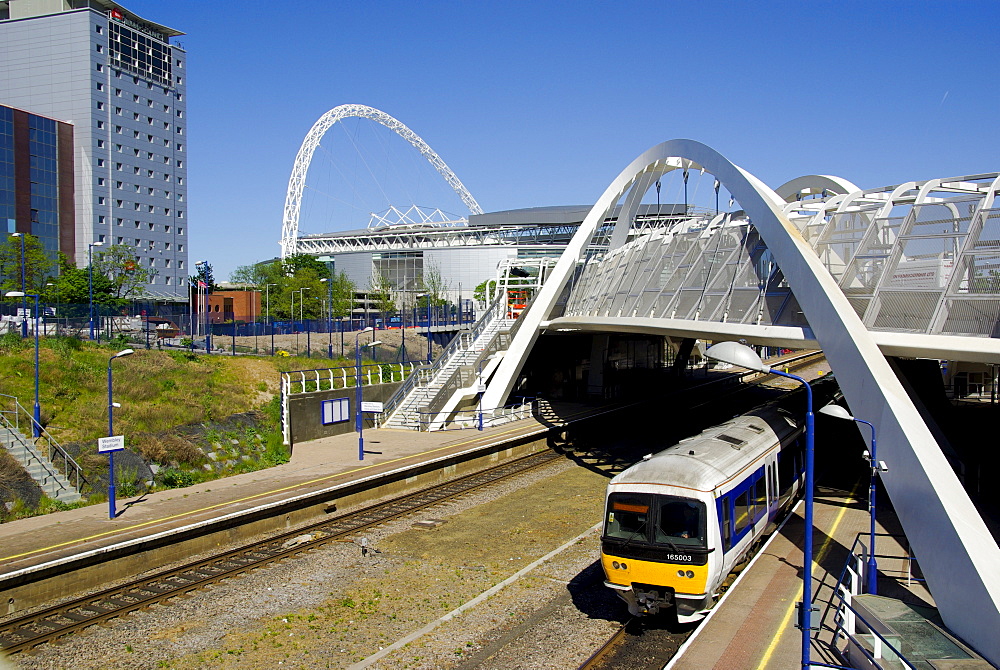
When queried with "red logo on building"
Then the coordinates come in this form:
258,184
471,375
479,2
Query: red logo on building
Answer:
115,14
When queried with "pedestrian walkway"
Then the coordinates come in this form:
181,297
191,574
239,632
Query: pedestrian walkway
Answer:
314,466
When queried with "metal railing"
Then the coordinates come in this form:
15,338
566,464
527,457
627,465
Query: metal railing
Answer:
458,344
847,618
474,418
330,379
50,454
465,375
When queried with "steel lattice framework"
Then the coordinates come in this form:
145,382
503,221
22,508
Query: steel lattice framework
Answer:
297,182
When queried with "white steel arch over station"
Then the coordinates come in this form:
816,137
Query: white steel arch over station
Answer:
297,181
845,272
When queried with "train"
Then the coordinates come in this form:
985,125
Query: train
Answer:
679,521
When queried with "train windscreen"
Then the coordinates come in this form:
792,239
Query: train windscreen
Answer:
656,519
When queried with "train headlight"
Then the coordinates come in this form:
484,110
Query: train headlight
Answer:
615,565
690,574
680,573
624,567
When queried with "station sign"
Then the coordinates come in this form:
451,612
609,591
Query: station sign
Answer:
371,407
109,444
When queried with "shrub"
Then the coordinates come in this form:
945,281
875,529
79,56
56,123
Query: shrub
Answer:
11,341
175,479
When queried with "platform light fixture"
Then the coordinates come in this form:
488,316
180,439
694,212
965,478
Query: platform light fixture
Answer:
877,466
745,357
36,427
358,395
90,284
112,507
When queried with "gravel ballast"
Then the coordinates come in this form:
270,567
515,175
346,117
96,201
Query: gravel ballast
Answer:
340,605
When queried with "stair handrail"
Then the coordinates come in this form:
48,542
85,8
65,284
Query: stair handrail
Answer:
52,449
454,347
460,378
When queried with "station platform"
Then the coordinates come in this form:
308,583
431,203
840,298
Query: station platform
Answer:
328,464
753,626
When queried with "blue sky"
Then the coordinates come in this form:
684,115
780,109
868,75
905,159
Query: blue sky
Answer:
543,103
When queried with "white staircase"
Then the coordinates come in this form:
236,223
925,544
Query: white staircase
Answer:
412,411
52,482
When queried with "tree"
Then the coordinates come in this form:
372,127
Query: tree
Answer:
121,266
343,295
255,274
435,285
38,267
293,265
204,275
72,286
483,293
381,292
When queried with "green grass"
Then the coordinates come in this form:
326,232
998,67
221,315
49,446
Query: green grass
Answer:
161,393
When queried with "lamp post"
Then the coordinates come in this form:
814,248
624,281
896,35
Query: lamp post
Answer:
839,412
745,357
90,284
24,299
480,387
56,313
427,297
292,317
329,316
302,304
358,395
36,429
267,308
112,512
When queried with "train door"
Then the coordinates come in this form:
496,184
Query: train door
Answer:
725,522
790,462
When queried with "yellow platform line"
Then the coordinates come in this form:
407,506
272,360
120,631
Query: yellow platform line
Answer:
239,500
766,658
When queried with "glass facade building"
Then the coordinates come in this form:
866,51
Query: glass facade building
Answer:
122,82
7,211
36,179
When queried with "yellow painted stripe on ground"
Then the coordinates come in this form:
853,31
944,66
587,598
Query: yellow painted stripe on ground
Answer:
238,500
766,658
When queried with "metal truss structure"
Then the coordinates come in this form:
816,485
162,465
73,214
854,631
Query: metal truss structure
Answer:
297,181
414,217
909,270
920,259
400,238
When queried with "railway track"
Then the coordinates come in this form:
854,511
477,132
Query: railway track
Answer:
639,644
28,631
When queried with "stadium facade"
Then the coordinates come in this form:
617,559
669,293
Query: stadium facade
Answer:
464,254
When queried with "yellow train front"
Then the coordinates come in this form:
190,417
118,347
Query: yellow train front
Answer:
678,522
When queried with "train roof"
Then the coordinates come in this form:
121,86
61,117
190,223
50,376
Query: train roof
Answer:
714,456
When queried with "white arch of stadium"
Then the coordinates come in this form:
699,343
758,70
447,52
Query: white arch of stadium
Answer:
867,283
297,180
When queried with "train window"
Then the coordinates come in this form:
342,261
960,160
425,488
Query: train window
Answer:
760,494
680,522
786,470
726,528
741,511
627,517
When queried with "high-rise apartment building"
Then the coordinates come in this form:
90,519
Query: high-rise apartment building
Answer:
121,82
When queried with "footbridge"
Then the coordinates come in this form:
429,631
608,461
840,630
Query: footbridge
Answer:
911,270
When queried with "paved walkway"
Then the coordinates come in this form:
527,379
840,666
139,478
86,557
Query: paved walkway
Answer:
314,466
